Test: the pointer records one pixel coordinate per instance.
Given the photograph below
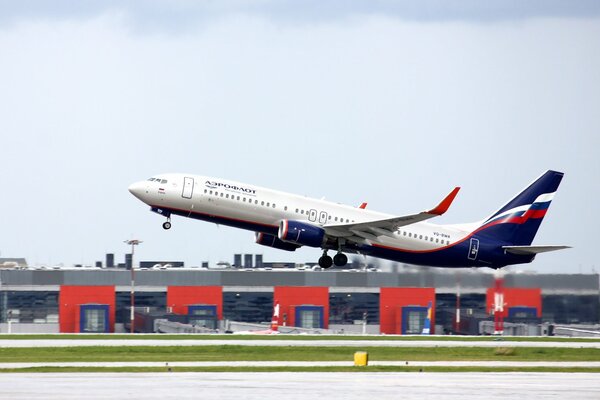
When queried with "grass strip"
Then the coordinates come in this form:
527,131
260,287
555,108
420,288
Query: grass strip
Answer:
287,337
290,353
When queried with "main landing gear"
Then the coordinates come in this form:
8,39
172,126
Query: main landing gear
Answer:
167,224
340,259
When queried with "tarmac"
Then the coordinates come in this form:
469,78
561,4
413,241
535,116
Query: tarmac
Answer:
166,365
299,385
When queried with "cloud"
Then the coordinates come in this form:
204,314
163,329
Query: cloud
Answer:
382,109
182,15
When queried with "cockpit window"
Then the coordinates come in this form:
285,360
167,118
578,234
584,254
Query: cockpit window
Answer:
163,181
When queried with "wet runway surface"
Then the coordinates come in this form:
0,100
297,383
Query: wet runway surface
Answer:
299,385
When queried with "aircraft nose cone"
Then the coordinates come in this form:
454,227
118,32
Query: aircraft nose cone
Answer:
138,189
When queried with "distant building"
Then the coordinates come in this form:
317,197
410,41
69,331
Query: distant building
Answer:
161,264
13,263
388,302
247,260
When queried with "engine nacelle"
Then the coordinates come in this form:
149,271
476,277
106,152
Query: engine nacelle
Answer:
301,233
272,241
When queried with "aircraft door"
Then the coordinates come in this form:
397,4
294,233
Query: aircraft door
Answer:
188,188
473,249
312,215
322,217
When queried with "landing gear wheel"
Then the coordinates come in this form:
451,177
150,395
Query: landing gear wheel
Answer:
340,259
325,262
167,225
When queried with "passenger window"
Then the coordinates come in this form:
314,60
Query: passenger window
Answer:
302,212
256,202
335,219
409,234
238,198
297,211
163,181
437,240
262,203
420,236
205,190
221,194
244,199
284,208
425,238
210,192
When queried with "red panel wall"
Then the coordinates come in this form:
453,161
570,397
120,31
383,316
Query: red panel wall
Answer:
392,299
180,297
288,296
517,297
70,297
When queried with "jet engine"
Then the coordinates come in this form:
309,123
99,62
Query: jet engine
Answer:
272,241
301,233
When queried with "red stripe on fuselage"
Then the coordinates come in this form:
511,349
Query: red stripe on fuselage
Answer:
381,246
530,214
215,216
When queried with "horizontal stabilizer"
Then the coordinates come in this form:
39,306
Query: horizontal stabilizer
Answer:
532,250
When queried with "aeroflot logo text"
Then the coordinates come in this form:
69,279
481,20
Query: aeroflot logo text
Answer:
215,184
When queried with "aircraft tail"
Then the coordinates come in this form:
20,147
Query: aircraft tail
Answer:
517,222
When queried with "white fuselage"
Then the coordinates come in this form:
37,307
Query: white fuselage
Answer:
260,209
287,221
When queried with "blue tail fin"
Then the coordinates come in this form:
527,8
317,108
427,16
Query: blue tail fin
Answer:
518,221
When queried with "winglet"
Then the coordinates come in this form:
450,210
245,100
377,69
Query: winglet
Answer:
363,206
444,204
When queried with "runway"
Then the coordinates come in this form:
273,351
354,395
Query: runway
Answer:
299,385
10,343
234,364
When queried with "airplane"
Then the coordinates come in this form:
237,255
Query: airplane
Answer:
287,222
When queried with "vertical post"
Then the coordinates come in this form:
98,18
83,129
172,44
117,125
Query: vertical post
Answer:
499,304
457,316
132,311
133,243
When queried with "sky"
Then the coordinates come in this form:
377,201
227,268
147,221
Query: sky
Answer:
389,102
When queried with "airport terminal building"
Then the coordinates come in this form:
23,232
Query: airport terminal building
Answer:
348,301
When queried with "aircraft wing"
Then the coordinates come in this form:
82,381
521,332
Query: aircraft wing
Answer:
371,229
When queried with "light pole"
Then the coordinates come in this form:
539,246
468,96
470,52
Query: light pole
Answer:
133,243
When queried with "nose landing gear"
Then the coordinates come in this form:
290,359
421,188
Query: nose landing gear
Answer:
167,224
